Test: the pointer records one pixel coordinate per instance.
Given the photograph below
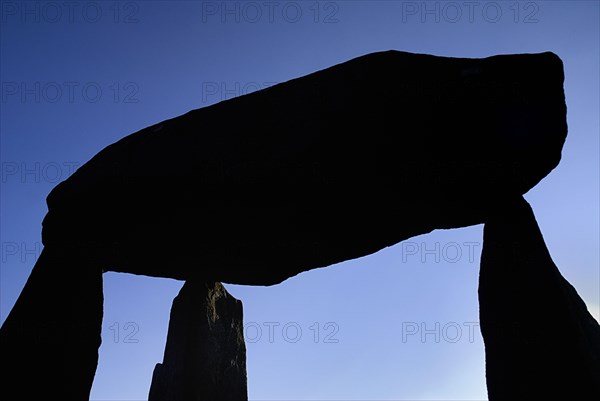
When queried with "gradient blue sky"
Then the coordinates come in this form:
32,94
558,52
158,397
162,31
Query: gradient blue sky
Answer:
78,76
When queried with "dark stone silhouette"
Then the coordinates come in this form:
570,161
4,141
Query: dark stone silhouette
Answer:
540,341
49,342
317,170
314,171
205,356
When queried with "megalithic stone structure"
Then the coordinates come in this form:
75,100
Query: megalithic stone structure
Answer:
540,340
321,169
205,355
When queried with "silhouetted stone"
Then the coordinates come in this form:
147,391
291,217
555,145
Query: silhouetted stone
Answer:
540,341
205,355
253,190
317,170
49,341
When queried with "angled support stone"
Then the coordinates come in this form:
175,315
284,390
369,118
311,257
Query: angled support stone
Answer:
49,341
540,340
205,355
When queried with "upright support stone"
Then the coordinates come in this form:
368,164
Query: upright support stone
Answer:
205,355
49,342
540,340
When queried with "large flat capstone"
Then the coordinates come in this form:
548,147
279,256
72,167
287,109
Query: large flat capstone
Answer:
324,168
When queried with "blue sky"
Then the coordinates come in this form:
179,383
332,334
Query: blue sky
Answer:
401,324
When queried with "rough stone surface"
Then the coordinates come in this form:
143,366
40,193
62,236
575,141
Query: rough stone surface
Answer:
49,341
540,341
205,355
328,167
